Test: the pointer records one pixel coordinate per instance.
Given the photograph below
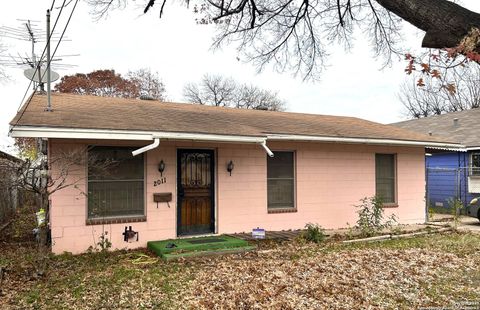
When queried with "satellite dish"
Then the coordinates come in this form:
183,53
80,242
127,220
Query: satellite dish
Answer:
33,74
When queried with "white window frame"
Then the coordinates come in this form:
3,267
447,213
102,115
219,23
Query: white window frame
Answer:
474,173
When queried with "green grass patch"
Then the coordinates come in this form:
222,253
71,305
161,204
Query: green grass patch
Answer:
176,248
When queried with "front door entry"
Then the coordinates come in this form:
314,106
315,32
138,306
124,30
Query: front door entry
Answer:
195,192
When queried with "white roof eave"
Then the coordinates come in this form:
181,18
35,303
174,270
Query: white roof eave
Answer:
109,134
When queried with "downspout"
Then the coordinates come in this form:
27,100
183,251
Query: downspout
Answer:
264,145
155,143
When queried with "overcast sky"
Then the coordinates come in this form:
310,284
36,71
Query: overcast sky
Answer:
179,50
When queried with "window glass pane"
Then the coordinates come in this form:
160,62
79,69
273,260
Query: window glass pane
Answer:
475,163
281,180
113,198
280,194
109,163
281,165
115,182
385,177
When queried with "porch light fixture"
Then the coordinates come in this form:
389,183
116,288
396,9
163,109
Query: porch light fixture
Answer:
161,167
230,167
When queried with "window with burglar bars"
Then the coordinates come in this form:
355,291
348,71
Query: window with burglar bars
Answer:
475,164
385,178
281,181
115,183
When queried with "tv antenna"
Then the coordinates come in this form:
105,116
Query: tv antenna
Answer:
34,65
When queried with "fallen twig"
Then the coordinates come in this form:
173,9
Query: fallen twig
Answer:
376,238
409,235
392,236
5,225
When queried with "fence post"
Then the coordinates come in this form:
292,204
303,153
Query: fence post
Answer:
427,215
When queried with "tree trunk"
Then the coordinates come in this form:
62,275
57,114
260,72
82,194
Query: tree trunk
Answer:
444,22
43,247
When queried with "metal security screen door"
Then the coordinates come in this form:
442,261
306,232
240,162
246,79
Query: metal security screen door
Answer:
195,177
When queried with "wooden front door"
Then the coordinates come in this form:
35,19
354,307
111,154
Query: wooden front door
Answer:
195,187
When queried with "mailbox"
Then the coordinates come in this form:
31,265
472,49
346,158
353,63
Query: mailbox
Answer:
162,197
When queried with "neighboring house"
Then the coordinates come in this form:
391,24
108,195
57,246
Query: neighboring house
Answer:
207,170
8,188
452,173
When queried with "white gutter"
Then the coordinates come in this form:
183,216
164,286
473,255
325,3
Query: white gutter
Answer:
80,133
86,133
155,143
208,137
450,149
363,141
264,145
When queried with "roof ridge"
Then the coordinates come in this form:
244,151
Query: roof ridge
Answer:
210,107
444,115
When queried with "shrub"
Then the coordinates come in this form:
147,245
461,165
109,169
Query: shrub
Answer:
371,216
431,213
456,205
104,243
314,233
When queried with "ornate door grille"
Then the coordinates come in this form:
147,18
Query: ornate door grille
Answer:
195,192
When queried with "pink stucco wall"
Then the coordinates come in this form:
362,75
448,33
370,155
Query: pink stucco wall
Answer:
330,179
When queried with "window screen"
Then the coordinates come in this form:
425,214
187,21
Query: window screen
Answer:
385,177
281,180
115,182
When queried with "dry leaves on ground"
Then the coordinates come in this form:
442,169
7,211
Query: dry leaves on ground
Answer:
357,279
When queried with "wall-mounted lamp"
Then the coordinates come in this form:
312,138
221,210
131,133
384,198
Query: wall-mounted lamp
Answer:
161,167
230,167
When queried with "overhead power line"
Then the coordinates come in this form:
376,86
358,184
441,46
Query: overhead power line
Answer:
41,57
43,53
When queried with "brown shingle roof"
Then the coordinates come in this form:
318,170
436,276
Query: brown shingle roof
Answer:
464,130
91,112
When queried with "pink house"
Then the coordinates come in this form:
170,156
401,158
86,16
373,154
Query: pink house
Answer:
207,170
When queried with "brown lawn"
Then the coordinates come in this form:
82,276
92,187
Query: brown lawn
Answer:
434,270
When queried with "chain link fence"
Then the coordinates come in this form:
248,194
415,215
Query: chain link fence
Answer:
447,185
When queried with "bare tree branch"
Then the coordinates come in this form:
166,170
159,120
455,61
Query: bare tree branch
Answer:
149,84
296,35
221,91
455,88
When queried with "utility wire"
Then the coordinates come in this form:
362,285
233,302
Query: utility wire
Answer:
41,57
49,60
63,33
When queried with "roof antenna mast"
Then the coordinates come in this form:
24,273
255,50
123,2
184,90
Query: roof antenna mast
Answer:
49,90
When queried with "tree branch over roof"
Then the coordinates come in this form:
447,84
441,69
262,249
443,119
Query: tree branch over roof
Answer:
295,35
218,90
445,23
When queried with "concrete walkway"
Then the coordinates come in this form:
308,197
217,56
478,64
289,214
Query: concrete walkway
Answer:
399,229
465,223
469,224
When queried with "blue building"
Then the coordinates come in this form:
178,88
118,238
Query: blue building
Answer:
451,173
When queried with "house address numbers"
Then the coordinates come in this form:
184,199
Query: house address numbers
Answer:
160,181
